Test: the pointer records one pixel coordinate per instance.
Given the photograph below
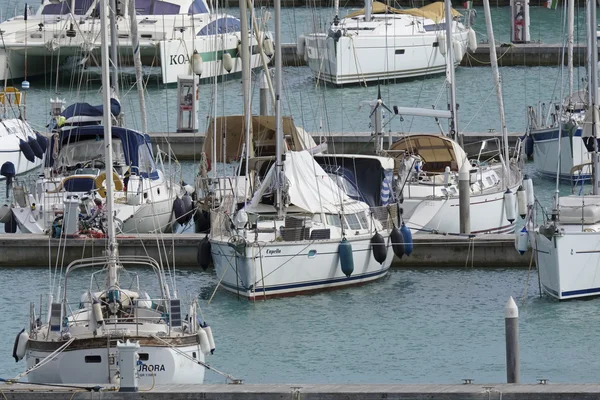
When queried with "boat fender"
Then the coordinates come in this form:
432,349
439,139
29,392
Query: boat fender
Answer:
346,258
11,225
97,312
522,201
268,47
35,147
201,221
522,240
509,206
204,253
408,242
378,248
301,45
8,170
529,146
442,44
472,40
188,208
26,150
397,242
20,345
227,62
179,210
42,141
197,63
458,48
100,182
528,184
5,213
203,341
211,340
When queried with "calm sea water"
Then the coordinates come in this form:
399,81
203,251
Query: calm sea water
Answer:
415,326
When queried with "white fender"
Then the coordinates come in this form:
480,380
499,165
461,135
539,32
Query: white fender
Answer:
522,201
510,206
97,309
522,240
472,40
211,339
227,62
268,47
20,345
459,53
204,343
528,185
442,44
301,45
197,63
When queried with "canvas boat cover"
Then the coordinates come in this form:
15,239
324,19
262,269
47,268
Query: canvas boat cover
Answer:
87,110
308,186
437,151
433,11
263,133
579,209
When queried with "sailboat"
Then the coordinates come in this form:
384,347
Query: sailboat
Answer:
564,120
78,342
300,232
567,245
431,165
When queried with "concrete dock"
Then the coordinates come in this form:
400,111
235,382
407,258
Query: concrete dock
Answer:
314,392
27,250
188,146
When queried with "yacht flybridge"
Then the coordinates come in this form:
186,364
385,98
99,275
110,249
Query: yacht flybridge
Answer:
182,33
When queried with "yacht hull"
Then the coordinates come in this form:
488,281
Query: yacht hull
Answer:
573,152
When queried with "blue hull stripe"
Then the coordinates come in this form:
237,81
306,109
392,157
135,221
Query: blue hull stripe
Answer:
564,177
553,134
581,292
301,285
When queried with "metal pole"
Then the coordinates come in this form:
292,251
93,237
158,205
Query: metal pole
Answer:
278,121
264,94
511,327
593,88
450,76
114,46
570,24
139,78
464,198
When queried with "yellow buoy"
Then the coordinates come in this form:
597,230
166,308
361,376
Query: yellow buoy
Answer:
100,182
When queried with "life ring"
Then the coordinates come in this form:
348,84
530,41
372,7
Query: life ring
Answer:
100,181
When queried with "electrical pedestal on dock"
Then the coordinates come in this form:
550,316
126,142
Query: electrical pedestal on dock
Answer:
519,17
187,103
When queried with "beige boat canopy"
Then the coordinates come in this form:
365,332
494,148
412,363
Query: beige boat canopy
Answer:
433,11
231,128
438,152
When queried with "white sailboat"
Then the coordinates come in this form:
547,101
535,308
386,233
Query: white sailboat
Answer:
301,232
381,42
567,246
77,343
430,168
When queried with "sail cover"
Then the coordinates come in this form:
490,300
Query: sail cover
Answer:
308,186
87,110
433,11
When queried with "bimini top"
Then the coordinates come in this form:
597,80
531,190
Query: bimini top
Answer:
231,127
437,151
433,11
133,147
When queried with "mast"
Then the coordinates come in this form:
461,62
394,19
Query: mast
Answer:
450,74
106,122
588,36
278,122
113,46
593,89
245,84
498,84
570,29
138,64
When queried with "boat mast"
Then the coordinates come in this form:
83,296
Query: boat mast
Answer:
450,73
245,84
498,84
114,46
108,152
593,89
139,78
570,29
278,122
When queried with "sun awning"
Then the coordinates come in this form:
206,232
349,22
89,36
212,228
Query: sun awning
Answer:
433,149
433,11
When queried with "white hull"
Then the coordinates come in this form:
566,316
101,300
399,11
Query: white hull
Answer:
284,268
569,263
364,56
573,153
164,366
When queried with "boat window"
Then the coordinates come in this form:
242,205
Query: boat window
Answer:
87,150
352,220
154,7
222,25
346,185
362,217
143,356
489,180
146,166
81,7
435,27
93,359
399,51
333,220
198,7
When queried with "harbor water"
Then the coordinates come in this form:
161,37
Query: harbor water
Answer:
414,326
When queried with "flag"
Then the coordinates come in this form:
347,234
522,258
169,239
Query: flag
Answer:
467,5
551,4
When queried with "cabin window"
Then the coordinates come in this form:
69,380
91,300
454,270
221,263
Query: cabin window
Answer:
143,356
154,7
435,44
399,51
198,7
222,25
81,7
353,222
93,359
489,180
194,354
362,217
333,220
